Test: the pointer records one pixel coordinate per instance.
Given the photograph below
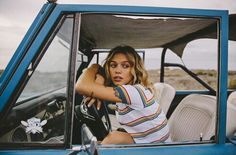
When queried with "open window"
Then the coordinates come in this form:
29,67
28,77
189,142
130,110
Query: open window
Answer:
169,57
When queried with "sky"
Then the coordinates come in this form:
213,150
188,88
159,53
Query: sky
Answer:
16,16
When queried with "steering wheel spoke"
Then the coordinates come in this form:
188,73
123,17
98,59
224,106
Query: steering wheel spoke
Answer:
97,120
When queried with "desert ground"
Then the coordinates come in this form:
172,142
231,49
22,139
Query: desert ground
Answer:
182,81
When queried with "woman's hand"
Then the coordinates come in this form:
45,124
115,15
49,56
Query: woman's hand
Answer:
99,79
91,100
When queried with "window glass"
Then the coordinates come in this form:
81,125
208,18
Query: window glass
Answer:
38,115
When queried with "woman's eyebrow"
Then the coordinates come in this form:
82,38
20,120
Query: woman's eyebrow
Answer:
126,61
121,61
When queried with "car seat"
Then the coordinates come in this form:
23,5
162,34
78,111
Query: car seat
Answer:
231,115
194,118
232,98
165,93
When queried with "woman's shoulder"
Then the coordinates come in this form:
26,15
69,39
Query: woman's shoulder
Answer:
138,87
134,88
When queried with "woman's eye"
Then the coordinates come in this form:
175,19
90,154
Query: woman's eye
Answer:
125,65
113,65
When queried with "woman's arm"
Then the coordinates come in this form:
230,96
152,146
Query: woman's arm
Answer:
87,86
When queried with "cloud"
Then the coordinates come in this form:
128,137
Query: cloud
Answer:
5,22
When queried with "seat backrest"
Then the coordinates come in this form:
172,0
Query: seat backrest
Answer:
165,94
232,98
231,114
231,123
194,116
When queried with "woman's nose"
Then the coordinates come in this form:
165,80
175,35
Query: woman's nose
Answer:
118,69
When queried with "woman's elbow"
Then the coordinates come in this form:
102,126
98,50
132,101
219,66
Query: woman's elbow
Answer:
80,88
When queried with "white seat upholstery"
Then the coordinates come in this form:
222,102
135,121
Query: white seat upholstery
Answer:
165,94
231,114
231,123
232,98
194,116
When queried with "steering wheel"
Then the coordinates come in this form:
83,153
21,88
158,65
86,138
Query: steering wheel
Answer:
93,118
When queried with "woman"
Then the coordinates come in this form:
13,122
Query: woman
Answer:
128,86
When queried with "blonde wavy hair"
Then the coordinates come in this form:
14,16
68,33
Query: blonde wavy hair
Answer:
140,74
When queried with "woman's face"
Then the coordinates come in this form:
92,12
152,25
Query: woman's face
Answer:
120,69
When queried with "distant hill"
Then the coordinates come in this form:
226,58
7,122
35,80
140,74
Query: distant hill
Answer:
181,81
176,77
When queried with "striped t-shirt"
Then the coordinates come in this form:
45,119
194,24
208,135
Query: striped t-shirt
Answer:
141,116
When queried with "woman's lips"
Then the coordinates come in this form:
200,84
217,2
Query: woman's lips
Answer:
117,78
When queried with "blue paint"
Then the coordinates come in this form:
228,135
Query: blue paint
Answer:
194,149
223,68
36,152
44,24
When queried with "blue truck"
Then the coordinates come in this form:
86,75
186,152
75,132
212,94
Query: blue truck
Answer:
40,112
